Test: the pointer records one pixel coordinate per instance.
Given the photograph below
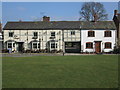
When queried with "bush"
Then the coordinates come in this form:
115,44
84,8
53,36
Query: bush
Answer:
60,51
27,51
116,50
53,51
5,51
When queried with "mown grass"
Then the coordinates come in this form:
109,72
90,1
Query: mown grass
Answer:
98,71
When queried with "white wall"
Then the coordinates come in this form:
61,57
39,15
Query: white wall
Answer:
99,36
44,35
71,38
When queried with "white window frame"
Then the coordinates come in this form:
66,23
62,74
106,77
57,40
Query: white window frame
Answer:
51,45
56,45
53,32
71,33
12,45
9,34
37,45
34,34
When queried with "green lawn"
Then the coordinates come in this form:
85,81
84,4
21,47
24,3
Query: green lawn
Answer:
98,71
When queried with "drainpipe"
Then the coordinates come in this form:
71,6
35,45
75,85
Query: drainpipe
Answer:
39,42
80,40
102,47
27,40
63,42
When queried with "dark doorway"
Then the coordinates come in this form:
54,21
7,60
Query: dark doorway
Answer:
72,47
20,46
98,46
1,46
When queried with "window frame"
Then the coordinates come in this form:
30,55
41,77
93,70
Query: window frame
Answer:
72,32
52,34
12,45
55,45
34,43
90,46
35,34
38,45
108,46
11,34
107,33
8,45
92,35
52,44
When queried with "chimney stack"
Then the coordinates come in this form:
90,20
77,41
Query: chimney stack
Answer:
115,12
20,20
46,19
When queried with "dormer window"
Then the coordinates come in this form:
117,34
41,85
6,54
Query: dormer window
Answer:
91,33
52,34
35,34
107,34
72,32
11,34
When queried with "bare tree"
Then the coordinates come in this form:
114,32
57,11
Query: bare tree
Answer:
92,11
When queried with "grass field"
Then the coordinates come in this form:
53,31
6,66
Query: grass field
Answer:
98,71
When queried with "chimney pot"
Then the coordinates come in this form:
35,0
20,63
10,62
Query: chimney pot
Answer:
20,20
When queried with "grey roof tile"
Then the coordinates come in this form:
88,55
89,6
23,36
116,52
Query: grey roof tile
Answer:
56,25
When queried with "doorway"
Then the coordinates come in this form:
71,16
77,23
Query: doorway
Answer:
20,46
97,46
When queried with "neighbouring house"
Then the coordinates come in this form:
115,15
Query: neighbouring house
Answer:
66,36
99,36
116,20
1,38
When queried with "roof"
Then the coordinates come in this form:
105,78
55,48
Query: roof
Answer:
59,25
98,25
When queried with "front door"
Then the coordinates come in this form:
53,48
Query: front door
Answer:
20,46
97,46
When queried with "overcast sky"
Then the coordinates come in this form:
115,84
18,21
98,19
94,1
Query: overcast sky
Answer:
30,11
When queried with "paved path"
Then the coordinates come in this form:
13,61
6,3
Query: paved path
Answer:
43,54
76,54
29,54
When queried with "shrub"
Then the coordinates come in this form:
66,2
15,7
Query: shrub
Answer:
116,50
5,51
